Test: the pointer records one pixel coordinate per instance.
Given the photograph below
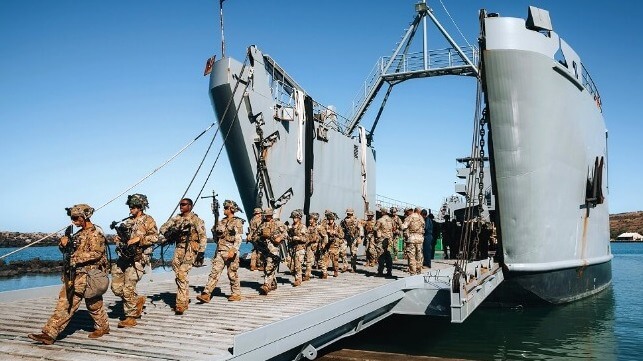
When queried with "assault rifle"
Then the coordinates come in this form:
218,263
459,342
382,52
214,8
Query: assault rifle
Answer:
200,256
125,251
69,269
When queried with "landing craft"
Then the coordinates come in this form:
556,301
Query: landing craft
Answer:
539,121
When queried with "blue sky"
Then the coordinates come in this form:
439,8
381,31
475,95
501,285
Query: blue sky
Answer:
96,94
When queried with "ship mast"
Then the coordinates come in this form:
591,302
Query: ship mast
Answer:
221,22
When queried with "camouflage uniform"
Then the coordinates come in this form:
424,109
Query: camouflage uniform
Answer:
332,238
414,228
191,240
368,226
255,257
127,272
384,234
228,235
89,253
352,230
271,233
312,245
297,238
397,232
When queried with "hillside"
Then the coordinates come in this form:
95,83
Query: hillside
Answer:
626,222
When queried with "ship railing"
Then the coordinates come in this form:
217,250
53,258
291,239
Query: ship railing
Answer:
284,95
589,84
386,202
408,64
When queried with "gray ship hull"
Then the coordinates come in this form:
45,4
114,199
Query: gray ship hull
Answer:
547,136
284,149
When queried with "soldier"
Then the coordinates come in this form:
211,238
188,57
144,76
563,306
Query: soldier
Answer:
414,227
312,244
297,235
397,231
271,233
368,226
384,234
352,230
187,231
130,267
227,234
86,252
255,258
332,238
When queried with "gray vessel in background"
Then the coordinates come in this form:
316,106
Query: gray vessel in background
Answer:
546,148
287,151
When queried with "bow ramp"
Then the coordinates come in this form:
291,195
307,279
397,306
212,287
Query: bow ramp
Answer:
291,323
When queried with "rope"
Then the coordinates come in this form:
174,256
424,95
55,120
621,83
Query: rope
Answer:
116,197
454,23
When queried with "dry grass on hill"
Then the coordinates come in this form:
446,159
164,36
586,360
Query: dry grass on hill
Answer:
626,222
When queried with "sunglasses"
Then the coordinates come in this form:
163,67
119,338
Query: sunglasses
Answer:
184,204
75,218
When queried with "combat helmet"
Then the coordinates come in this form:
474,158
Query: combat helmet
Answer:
137,200
349,211
314,215
268,212
329,214
393,210
297,213
82,210
257,211
384,210
370,214
232,205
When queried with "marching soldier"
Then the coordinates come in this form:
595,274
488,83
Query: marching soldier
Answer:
332,238
384,234
397,232
131,263
312,244
351,227
85,251
369,239
187,231
271,233
255,221
414,227
227,234
298,235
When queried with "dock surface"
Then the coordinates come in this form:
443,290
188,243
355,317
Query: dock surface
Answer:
256,325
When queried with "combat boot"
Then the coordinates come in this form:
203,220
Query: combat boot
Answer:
127,322
297,282
336,274
306,278
324,276
234,297
204,297
179,310
99,333
140,302
263,290
42,338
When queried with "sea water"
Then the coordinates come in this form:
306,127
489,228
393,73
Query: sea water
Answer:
607,326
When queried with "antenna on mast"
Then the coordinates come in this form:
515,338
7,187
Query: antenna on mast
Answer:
221,21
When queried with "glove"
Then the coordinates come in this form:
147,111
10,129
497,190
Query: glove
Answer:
198,260
232,253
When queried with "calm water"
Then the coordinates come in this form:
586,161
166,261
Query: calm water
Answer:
608,326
